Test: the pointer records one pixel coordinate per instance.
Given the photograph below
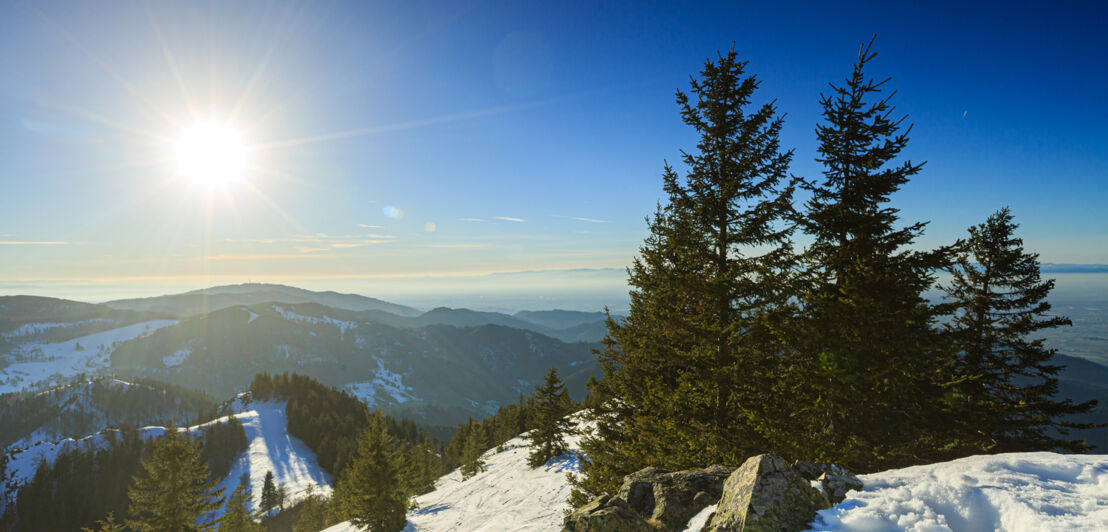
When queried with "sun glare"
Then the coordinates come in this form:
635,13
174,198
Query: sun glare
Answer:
211,154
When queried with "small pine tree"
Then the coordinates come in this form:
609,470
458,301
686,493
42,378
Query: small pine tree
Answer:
108,524
1006,380
175,494
547,439
473,448
269,493
313,512
371,493
237,516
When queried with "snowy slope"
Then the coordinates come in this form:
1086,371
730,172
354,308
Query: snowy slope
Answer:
272,449
508,496
1014,492
34,363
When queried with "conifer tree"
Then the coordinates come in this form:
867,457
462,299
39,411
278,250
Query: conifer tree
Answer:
108,524
1006,379
371,493
872,352
175,493
313,512
689,366
237,516
472,449
269,493
547,438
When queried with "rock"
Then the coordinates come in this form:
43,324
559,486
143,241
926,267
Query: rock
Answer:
814,470
658,498
835,486
605,514
766,494
669,498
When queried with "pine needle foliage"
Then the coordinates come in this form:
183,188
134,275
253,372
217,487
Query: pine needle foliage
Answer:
1006,379
237,516
371,494
548,437
175,493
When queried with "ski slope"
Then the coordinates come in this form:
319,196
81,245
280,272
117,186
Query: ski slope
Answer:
509,495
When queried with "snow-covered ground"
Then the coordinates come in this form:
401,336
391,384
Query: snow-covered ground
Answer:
343,326
508,496
386,385
34,363
1014,492
271,448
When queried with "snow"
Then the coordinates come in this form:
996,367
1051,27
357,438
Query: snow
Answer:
343,326
253,315
177,358
36,363
30,329
698,521
508,496
1014,492
384,382
271,448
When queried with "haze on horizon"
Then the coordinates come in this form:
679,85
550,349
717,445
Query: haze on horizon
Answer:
431,149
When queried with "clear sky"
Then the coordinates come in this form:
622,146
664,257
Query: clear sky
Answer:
390,141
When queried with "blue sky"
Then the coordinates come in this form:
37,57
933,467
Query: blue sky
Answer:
499,136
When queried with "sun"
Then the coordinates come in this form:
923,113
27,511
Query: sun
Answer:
210,154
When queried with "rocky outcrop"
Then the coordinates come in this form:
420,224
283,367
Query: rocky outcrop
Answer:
766,494
835,480
659,499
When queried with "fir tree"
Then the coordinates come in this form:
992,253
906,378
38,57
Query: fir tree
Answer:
237,516
1006,380
108,524
176,492
547,438
269,493
371,493
872,354
472,449
688,369
313,512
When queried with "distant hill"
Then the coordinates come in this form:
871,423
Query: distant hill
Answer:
1082,380
560,319
438,374
220,297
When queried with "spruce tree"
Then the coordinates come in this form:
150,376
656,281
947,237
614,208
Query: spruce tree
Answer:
108,524
547,438
313,512
269,493
175,493
687,370
371,493
1006,379
872,357
472,449
237,516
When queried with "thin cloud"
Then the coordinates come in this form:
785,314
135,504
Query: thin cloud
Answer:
371,226
590,220
338,245
457,246
38,243
472,219
510,219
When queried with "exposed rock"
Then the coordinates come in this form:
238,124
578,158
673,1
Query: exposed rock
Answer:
605,514
766,494
660,499
835,486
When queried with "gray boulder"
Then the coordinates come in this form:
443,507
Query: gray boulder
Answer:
658,498
605,514
766,494
835,486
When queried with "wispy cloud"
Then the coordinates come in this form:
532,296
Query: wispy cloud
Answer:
371,226
510,219
343,245
472,219
458,246
38,243
590,220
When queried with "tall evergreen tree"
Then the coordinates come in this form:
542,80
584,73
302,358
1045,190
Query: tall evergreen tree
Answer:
237,516
313,512
269,493
547,438
176,493
873,354
1006,379
108,524
711,281
371,493
472,449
